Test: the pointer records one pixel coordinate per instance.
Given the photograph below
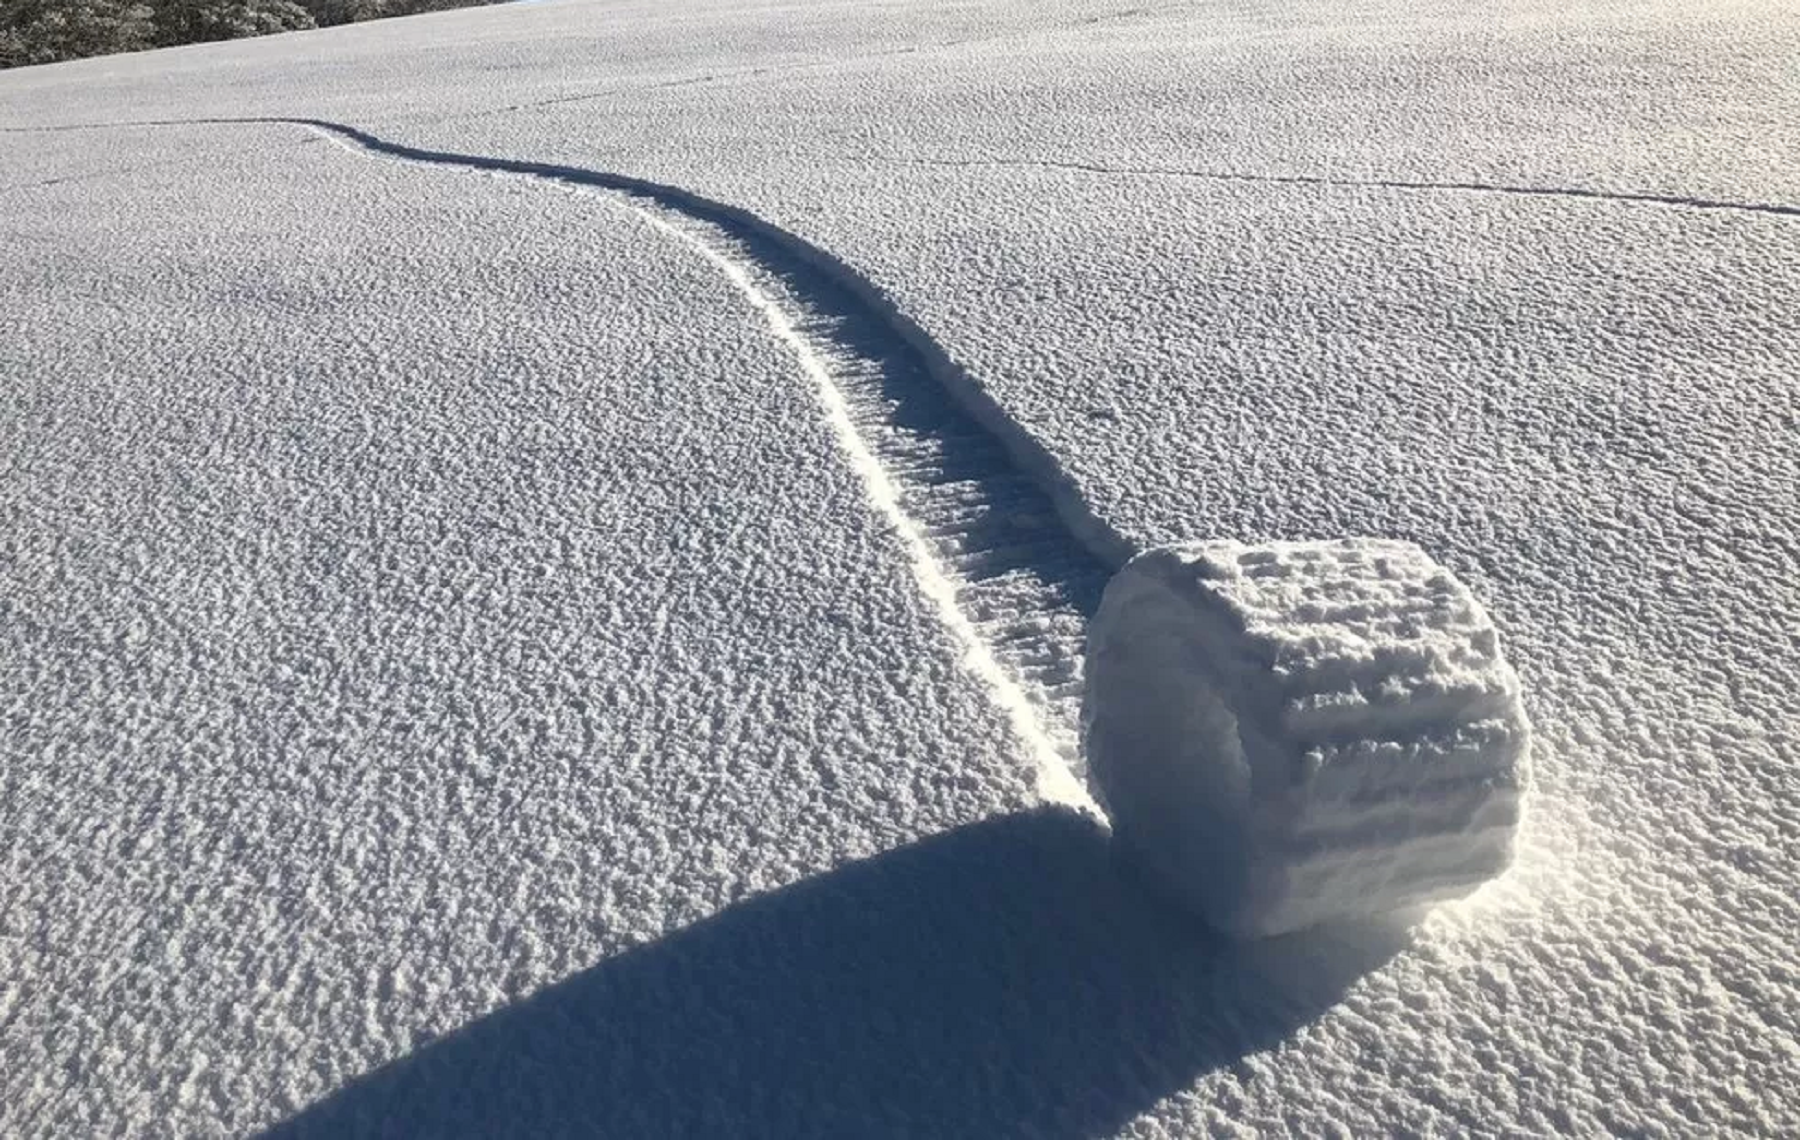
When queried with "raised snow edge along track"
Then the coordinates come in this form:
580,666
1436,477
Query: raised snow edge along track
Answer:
1009,553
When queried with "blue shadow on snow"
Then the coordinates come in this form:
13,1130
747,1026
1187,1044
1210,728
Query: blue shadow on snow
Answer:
1005,978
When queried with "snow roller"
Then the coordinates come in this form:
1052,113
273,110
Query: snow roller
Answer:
1290,733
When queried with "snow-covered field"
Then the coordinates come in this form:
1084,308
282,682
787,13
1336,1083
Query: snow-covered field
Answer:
544,555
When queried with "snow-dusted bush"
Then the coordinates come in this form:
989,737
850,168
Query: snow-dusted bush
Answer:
196,21
45,31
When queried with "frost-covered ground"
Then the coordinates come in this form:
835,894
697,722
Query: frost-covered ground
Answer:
494,568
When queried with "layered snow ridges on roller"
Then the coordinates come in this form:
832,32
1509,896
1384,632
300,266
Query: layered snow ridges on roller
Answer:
1292,732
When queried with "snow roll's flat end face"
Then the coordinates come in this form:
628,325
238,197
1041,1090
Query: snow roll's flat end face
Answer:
1294,732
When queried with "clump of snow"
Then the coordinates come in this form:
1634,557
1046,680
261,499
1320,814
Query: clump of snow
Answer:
1294,732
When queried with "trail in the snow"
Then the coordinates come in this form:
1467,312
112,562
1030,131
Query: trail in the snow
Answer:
984,546
997,537
1420,185
1630,197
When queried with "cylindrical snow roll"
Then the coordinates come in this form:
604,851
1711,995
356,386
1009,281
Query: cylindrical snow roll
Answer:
1294,732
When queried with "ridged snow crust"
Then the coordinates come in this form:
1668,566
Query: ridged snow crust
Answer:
1300,731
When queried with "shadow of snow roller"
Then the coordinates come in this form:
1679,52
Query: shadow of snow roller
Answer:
1291,733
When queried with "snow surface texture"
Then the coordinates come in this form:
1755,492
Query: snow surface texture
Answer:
435,601
1295,732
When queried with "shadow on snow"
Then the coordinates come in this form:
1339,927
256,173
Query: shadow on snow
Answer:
1004,978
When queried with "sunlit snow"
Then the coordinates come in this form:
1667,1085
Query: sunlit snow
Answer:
545,555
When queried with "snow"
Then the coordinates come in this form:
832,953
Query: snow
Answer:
1298,732
438,600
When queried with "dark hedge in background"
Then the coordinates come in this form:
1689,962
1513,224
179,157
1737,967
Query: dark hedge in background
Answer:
45,31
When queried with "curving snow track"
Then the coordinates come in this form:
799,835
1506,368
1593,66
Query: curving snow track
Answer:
1006,551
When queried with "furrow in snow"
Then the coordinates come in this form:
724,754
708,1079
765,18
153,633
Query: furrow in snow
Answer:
1626,197
997,537
988,549
1326,181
